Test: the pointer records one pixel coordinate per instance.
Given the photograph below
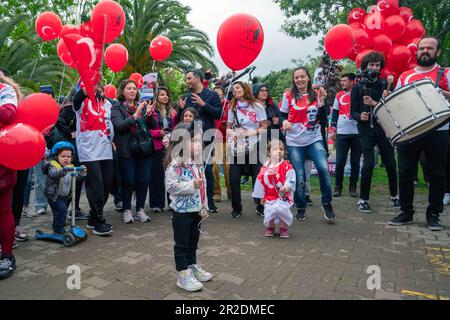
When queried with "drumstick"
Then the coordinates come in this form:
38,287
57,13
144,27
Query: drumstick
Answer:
390,81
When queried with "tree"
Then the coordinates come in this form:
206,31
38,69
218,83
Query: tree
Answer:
147,19
24,59
306,18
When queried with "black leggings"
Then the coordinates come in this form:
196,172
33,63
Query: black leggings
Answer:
17,197
98,185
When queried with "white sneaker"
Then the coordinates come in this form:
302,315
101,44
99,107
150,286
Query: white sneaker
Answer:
447,198
41,211
199,273
156,209
141,216
29,213
128,217
187,281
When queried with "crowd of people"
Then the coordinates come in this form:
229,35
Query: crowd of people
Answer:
132,148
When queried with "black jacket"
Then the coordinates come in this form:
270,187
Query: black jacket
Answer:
210,112
375,90
123,123
67,122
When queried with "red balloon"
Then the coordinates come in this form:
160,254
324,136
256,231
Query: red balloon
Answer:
352,56
116,57
406,13
21,146
64,54
48,26
382,43
362,41
69,29
111,13
360,56
137,77
356,26
386,71
413,30
374,24
412,46
110,91
388,7
394,27
399,57
39,110
239,40
339,41
160,48
356,15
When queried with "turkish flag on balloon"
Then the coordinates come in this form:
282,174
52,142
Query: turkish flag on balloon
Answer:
84,54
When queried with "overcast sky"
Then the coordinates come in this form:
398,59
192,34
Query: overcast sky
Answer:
278,49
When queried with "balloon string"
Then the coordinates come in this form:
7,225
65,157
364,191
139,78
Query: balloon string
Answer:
153,67
221,114
62,80
103,43
199,227
114,75
35,64
70,90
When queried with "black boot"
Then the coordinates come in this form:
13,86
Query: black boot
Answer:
337,191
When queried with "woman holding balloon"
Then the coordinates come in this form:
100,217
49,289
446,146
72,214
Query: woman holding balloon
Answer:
94,138
9,94
301,109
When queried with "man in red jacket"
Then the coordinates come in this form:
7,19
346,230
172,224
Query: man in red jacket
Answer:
8,106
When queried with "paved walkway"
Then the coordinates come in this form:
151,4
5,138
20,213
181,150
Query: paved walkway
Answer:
319,261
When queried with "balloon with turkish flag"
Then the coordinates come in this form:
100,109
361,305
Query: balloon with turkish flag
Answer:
394,27
21,146
64,54
406,13
388,7
362,40
356,15
412,46
85,56
374,23
339,41
239,40
69,29
48,26
399,57
110,91
160,48
116,57
107,20
382,43
39,110
138,79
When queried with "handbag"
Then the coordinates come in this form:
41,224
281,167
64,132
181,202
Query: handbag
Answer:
142,143
244,145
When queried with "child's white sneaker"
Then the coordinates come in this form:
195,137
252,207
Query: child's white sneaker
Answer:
128,216
187,281
199,273
141,216
29,212
447,198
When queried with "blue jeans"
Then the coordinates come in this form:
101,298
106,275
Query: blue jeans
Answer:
318,154
40,201
59,208
135,176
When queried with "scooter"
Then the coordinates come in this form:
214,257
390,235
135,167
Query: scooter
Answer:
75,234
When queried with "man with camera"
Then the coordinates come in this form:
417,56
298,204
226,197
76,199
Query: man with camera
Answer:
364,97
435,144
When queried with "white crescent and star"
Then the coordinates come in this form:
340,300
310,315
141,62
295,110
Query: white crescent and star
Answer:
90,43
44,31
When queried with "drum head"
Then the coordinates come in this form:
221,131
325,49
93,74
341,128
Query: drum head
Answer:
421,130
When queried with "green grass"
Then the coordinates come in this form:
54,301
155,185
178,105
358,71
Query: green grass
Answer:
379,183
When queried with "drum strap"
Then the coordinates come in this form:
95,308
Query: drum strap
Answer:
439,76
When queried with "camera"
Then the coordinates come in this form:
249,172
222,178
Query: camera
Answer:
370,76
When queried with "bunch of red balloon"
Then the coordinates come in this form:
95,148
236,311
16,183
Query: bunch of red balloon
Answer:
240,40
22,144
385,27
81,47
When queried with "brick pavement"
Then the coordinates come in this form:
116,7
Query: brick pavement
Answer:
319,261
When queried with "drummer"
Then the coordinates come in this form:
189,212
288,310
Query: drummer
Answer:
364,97
434,144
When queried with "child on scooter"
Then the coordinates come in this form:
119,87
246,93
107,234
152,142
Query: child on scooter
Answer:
58,182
